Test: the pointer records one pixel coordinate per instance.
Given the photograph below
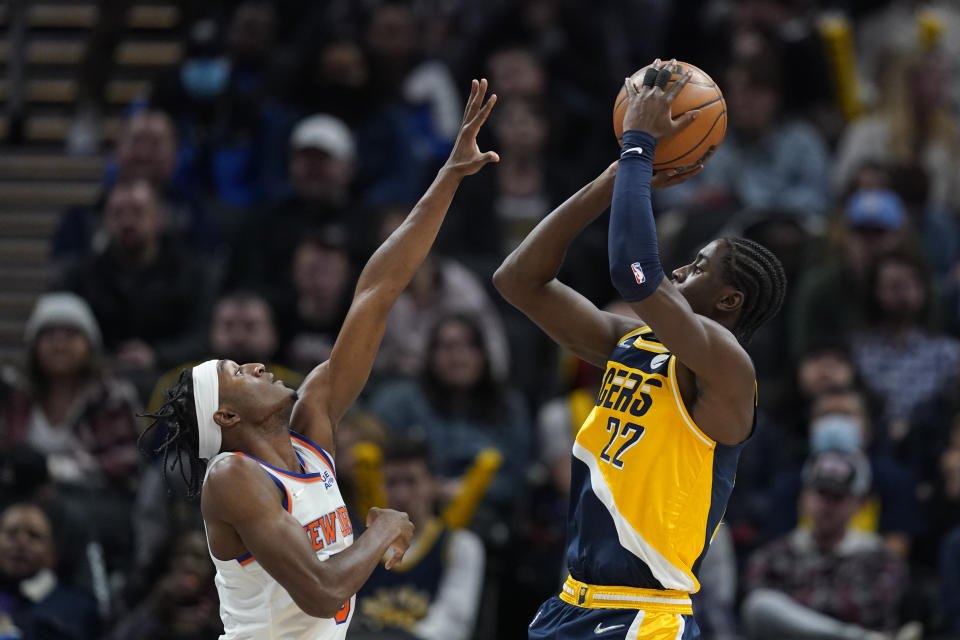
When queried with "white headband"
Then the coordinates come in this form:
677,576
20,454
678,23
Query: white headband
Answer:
206,400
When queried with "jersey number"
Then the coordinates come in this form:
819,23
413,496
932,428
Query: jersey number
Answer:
343,613
632,432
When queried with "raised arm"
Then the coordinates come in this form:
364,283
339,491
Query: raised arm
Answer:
527,279
281,546
332,387
702,345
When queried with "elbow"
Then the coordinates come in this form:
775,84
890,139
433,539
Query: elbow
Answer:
322,602
503,279
509,282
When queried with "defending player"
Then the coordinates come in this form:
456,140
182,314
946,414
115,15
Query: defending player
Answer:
277,528
654,463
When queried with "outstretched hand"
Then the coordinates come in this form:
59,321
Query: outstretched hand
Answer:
466,158
648,105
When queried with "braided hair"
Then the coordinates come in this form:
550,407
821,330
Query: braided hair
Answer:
176,435
758,274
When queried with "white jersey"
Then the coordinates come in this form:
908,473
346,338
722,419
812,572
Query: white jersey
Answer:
253,605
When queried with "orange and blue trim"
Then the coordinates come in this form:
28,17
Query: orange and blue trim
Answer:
245,559
323,455
302,477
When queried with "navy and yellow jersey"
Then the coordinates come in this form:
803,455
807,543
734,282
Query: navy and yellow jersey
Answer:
648,487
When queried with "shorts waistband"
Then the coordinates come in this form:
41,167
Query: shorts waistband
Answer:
590,596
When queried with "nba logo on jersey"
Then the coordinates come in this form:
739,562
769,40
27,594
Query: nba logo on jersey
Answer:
583,595
638,273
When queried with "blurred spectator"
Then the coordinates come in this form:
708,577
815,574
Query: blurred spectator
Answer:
32,602
442,286
70,409
901,355
146,291
941,488
146,150
242,329
842,419
218,115
828,304
434,594
565,46
495,213
182,601
913,124
517,72
950,574
766,161
790,31
829,581
936,226
358,428
393,37
336,78
901,28
579,122
81,561
81,424
459,407
324,281
322,167
568,41
250,38
781,438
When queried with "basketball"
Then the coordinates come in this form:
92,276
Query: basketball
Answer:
697,142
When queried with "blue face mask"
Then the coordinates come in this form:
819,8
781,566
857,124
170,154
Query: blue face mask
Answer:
835,432
205,78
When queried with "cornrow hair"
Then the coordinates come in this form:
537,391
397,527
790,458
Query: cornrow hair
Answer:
758,274
175,427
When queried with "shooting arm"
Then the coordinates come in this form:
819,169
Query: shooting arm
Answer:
528,278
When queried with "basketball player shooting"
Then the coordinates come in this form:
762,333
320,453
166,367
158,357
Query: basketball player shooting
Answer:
654,462
277,528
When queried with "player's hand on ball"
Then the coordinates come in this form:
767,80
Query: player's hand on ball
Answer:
670,177
466,157
660,180
648,105
399,525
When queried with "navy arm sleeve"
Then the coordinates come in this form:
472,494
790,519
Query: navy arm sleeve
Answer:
632,245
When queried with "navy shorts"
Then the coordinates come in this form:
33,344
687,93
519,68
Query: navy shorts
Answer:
558,620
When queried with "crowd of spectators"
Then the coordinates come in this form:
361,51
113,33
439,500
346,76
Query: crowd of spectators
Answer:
246,190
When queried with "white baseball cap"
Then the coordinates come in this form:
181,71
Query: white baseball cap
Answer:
324,132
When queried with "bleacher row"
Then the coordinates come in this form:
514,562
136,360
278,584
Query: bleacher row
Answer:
42,45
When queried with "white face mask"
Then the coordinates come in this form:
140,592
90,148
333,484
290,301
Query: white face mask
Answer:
837,432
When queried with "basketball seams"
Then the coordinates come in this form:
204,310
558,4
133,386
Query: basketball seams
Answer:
722,114
701,106
710,100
